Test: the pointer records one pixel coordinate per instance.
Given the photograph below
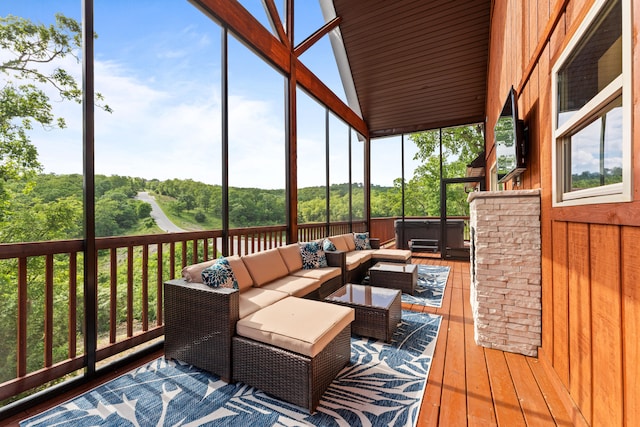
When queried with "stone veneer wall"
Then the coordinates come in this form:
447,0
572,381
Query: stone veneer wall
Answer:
506,270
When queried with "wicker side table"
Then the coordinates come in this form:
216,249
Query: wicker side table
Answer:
394,276
378,311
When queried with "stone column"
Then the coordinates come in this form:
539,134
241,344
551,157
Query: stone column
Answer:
506,270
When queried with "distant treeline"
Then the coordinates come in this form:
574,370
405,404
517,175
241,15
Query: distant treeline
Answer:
50,206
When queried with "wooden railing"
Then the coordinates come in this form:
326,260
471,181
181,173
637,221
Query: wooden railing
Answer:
131,271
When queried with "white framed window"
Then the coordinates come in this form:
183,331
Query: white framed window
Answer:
592,106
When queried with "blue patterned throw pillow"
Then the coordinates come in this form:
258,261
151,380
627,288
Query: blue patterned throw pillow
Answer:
312,255
220,275
362,241
328,245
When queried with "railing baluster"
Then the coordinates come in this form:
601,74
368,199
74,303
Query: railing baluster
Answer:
184,253
159,281
72,304
172,257
22,318
194,256
145,288
130,291
48,311
113,296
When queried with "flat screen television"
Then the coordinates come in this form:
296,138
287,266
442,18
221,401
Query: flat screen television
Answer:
510,140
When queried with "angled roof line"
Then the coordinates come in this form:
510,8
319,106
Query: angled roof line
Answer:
335,36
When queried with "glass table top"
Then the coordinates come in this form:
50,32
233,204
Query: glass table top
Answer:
395,267
368,296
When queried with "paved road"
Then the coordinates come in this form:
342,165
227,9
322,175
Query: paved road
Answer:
157,214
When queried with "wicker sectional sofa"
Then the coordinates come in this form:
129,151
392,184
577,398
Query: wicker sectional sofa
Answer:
272,332
356,262
203,324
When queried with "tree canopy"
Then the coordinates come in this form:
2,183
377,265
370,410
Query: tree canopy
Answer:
460,146
32,55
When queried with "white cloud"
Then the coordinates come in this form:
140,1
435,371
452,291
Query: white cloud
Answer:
171,132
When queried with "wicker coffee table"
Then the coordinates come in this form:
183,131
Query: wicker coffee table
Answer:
378,310
395,276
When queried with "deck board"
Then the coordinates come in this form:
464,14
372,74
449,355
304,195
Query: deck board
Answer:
468,384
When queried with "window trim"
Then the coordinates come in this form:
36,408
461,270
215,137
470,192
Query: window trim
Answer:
621,85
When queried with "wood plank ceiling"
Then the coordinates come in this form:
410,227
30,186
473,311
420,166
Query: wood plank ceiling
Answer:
417,64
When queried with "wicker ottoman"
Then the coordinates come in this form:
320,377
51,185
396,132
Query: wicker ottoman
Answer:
394,276
293,349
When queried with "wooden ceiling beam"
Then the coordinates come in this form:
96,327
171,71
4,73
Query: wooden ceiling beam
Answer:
243,25
313,38
239,21
322,93
276,22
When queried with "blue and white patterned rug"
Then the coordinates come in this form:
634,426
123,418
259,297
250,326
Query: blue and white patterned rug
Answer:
383,385
432,279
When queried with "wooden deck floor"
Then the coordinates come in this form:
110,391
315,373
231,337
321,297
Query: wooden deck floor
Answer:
474,386
468,384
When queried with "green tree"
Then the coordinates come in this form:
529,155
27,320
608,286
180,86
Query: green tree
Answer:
26,48
460,146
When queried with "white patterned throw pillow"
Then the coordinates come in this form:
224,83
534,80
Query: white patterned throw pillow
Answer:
220,275
362,241
312,255
328,245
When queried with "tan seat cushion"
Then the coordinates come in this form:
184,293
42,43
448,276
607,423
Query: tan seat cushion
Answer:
402,255
254,299
240,270
322,274
291,256
293,285
265,266
299,325
355,258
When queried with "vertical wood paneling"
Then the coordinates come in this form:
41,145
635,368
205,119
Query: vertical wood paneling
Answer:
560,302
606,325
579,317
557,38
636,105
631,323
590,273
533,28
544,152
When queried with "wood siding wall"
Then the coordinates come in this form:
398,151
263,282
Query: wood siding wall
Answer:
591,272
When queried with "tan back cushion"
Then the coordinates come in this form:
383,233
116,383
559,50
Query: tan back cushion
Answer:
339,242
265,266
240,270
193,273
291,256
351,242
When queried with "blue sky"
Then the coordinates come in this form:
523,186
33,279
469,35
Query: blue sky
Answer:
158,66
